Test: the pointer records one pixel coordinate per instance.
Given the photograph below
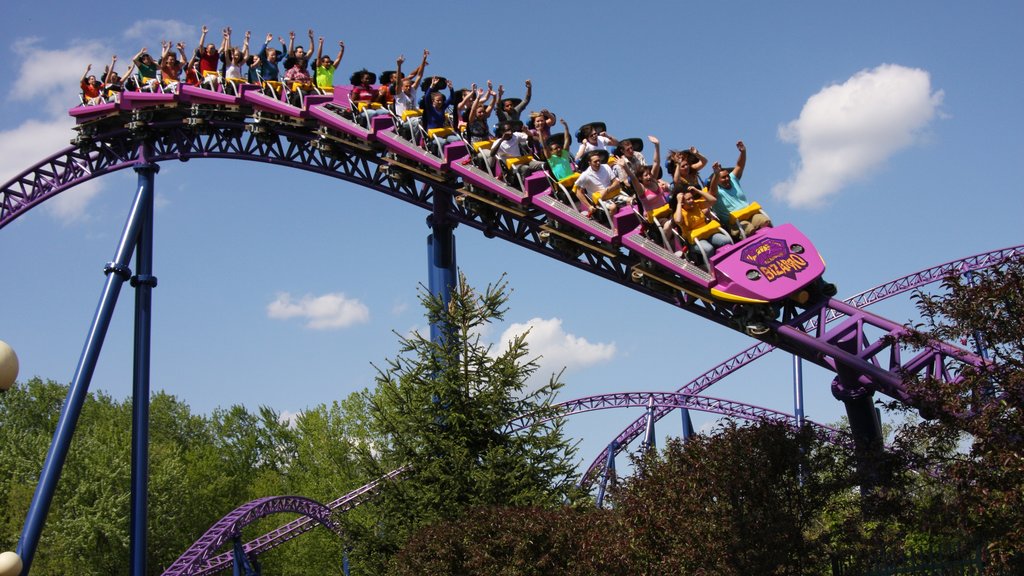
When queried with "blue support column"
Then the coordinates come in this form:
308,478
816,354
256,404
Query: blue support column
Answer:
240,565
143,282
650,441
117,273
609,472
687,424
442,272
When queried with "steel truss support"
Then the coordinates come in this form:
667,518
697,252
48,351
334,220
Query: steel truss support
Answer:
137,233
866,298
687,423
143,282
241,566
798,390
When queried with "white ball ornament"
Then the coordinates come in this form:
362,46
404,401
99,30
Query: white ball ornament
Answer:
10,564
8,368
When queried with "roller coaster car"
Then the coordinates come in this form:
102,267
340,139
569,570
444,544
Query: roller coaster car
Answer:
771,265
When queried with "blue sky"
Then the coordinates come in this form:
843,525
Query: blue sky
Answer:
886,131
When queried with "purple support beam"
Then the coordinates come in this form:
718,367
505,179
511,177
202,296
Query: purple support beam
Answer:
866,298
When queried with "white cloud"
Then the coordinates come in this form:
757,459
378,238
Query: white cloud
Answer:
72,205
327,312
153,31
49,78
289,418
847,130
161,201
556,347
34,140
710,427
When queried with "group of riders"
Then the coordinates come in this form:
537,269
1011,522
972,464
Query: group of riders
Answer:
686,213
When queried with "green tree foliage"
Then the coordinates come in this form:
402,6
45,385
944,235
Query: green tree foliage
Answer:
441,408
985,482
194,475
756,499
743,500
759,499
740,501
523,540
326,464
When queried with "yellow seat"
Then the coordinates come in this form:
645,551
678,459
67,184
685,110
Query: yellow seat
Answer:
703,232
360,106
440,132
272,84
744,213
328,89
295,85
517,160
659,212
478,146
569,181
411,114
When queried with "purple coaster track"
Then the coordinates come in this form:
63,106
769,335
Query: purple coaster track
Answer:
231,525
671,401
865,298
273,538
859,349
300,140
668,400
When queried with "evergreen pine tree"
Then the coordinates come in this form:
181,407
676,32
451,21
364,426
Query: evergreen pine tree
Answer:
442,407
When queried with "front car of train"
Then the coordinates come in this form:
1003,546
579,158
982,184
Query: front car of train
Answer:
772,265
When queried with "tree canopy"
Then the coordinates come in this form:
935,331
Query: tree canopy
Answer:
983,409
754,499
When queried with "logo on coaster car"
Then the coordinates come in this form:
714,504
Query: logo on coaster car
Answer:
773,259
